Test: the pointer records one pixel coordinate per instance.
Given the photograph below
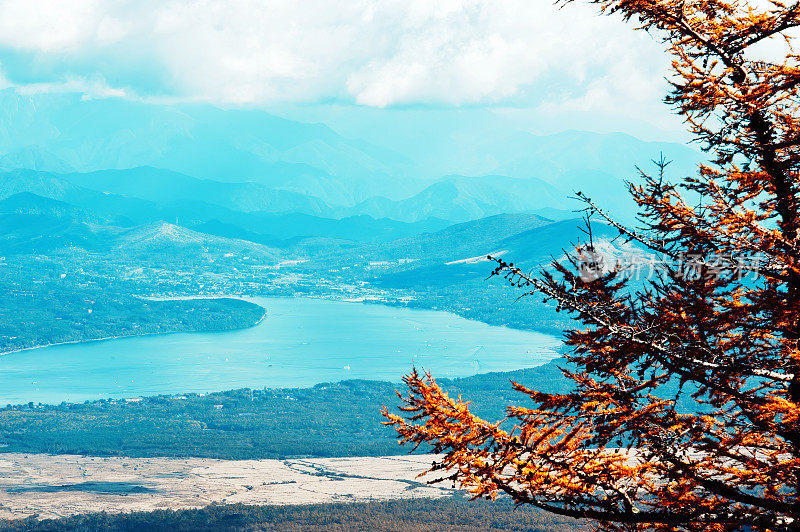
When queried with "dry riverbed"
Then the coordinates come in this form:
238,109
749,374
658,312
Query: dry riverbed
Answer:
60,485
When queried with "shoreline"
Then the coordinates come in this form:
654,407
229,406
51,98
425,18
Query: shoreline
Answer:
135,335
364,300
534,349
250,299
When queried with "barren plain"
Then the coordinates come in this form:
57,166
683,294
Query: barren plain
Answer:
60,485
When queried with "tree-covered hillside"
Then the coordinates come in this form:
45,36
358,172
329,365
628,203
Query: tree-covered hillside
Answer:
412,515
329,419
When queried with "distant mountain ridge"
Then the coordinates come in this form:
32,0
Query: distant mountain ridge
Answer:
139,195
36,224
461,198
30,204
165,186
162,236
65,132
529,243
308,166
467,239
125,198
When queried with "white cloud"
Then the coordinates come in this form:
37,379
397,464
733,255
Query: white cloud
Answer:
55,26
375,53
91,88
490,51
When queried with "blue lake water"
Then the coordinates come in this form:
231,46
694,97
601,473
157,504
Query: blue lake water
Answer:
301,342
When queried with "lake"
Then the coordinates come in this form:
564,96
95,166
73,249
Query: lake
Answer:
301,342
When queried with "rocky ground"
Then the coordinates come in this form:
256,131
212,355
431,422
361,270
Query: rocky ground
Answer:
61,485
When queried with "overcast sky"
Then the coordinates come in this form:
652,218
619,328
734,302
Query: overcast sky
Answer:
523,59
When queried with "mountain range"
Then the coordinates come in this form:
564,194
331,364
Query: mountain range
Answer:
102,174
309,166
67,132
34,224
38,225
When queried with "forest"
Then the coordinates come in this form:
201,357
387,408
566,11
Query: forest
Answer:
43,304
329,419
411,515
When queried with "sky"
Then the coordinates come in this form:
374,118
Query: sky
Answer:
349,63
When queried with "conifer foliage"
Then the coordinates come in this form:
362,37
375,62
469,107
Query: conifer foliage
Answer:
720,334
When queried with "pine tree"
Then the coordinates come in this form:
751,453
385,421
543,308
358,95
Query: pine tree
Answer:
718,322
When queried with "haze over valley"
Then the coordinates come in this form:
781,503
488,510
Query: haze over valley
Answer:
102,200
190,280
458,266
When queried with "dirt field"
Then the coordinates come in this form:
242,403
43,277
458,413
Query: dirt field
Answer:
62,485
